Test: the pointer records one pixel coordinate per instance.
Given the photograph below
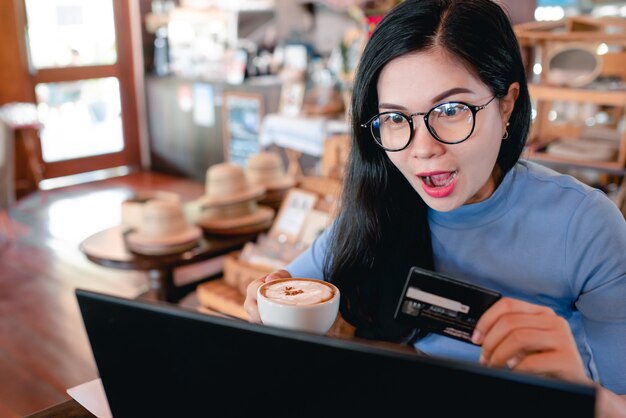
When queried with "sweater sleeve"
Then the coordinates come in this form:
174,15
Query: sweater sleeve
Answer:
596,263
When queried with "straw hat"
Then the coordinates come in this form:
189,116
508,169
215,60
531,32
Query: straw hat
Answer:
163,228
132,207
266,169
226,183
240,216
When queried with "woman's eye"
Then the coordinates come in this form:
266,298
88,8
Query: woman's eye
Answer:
394,119
451,110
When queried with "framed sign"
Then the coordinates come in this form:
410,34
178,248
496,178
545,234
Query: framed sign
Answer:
292,215
242,114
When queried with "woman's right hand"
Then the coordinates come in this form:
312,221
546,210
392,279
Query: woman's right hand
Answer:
250,305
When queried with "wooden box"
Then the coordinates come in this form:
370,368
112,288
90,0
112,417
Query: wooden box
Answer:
239,274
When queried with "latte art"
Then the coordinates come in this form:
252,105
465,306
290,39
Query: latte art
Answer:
298,292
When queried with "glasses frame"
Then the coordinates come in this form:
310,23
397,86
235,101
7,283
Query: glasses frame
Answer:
473,108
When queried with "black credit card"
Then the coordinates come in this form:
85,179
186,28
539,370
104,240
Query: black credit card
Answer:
441,304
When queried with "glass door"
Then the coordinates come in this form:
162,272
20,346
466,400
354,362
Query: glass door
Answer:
81,63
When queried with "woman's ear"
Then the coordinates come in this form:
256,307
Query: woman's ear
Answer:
507,103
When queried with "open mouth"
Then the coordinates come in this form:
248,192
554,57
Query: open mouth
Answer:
439,180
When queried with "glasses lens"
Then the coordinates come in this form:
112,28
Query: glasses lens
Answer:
451,122
391,130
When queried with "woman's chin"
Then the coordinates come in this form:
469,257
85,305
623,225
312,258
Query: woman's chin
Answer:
441,204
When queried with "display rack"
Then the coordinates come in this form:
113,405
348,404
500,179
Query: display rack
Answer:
565,113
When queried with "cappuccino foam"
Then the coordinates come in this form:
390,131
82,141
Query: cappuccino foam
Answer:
298,292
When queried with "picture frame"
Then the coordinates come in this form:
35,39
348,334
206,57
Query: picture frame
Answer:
291,98
242,114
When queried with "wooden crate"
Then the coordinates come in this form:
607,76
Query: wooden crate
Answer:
239,274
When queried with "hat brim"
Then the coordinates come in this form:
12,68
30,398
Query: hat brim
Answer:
170,249
253,192
140,239
277,194
279,184
262,214
248,229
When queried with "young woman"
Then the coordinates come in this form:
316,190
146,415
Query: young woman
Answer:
440,115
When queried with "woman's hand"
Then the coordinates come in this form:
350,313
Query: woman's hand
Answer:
250,305
529,338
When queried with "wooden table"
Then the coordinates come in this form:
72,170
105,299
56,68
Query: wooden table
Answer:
107,248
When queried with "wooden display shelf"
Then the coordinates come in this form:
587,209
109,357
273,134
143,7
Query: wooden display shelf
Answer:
613,167
545,92
544,131
572,29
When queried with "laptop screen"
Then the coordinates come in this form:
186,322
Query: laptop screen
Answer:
157,359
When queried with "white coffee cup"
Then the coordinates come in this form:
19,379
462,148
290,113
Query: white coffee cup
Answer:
299,304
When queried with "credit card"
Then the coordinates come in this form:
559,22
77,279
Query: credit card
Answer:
441,304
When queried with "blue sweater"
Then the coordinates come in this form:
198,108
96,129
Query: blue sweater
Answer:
542,237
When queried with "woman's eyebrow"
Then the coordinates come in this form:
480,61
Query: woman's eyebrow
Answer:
435,100
450,92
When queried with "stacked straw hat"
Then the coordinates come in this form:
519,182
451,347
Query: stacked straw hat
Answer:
230,204
163,229
266,169
132,208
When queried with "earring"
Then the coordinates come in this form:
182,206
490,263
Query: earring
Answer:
506,132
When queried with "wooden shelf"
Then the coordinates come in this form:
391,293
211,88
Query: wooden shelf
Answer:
612,167
580,95
572,29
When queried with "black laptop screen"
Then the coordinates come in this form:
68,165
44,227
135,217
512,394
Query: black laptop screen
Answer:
158,360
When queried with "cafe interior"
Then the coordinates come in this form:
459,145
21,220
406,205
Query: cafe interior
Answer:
176,150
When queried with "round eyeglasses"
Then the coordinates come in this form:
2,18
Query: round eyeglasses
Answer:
448,123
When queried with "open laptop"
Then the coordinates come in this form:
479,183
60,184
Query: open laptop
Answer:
161,360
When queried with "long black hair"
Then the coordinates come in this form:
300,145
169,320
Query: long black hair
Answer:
382,228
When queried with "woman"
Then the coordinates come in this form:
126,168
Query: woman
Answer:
440,113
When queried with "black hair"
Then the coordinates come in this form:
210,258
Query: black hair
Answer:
382,228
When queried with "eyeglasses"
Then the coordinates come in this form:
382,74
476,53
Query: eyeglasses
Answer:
448,123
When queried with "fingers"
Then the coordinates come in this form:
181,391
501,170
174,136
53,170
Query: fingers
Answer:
552,364
513,329
500,308
250,304
530,338
517,344
278,274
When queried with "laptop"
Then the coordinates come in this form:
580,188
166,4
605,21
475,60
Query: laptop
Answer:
161,360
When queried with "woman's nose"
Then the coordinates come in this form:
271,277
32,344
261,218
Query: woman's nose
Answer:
424,145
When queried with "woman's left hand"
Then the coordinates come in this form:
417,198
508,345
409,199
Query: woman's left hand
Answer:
529,338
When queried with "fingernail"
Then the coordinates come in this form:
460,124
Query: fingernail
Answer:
511,363
482,360
477,337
